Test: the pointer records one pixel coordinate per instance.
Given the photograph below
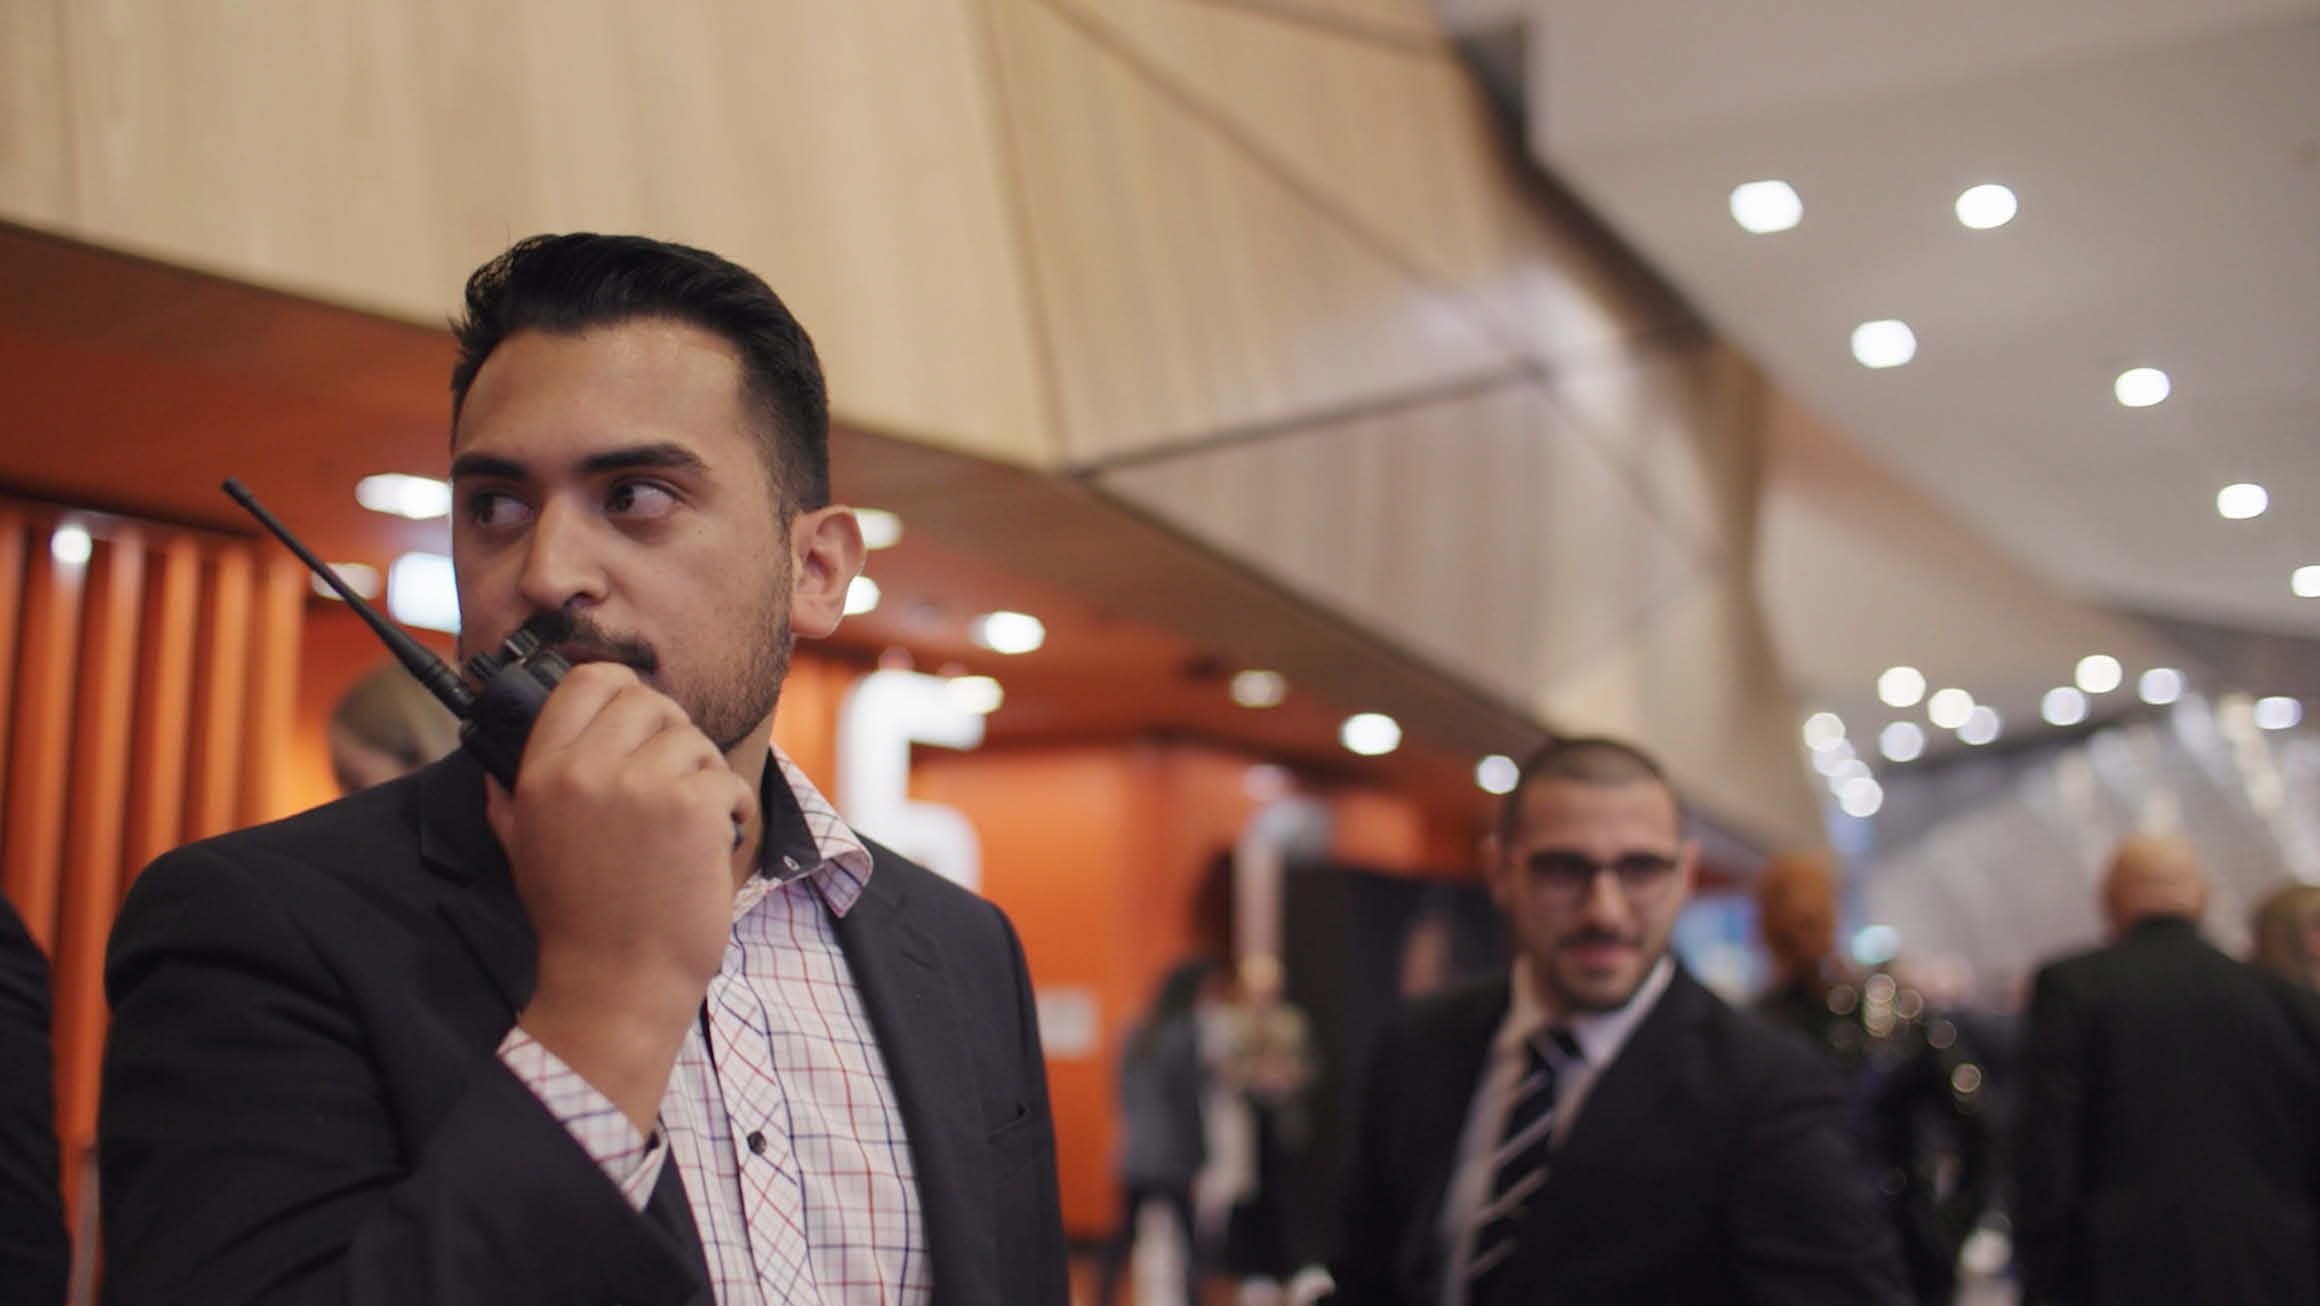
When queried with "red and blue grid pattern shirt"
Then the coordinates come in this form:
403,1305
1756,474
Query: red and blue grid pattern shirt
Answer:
779,1115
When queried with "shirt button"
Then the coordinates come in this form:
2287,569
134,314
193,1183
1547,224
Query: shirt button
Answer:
757,1141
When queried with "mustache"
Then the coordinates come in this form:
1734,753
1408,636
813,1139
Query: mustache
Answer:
1584,938
581,640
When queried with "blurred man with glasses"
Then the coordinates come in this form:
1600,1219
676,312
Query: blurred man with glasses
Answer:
1596,1127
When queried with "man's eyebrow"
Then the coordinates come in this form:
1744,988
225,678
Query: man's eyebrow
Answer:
665,455
483,464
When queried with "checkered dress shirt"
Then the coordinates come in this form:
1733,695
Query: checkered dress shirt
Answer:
780,1116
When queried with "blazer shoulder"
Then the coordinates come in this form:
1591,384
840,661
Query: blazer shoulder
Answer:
343,835
1739,1051
935,902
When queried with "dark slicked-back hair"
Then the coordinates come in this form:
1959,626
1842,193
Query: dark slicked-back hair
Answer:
567,284
1586,759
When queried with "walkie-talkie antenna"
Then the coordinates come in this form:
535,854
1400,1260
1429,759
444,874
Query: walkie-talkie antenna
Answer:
432,671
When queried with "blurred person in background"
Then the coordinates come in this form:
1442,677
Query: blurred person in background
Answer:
35,1258
1596,1126
1267,1063
1916,1088
2169,1135
385,727
1163,1129
2286,929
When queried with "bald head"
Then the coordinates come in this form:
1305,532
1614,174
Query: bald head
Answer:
2152,876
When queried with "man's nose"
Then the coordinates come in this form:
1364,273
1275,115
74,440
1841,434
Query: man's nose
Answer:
560,564
1605,899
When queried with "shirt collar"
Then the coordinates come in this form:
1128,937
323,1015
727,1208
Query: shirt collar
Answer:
1600,1034
806,839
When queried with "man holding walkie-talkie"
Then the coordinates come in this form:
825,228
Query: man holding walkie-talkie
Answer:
573,1041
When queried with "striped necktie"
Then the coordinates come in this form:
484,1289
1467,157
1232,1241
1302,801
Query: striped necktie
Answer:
1518,1168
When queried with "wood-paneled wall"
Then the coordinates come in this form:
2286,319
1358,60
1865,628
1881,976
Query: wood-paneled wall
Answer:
146,700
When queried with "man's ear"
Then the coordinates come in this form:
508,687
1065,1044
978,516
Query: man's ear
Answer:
825,555
1494,870
1688,866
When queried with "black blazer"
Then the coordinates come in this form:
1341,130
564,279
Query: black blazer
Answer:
1709,1164
302,1101
2169,1134
35,1259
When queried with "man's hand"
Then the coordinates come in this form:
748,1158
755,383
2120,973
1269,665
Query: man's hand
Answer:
620,838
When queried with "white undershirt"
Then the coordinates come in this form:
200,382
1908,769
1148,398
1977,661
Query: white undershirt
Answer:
1599,1034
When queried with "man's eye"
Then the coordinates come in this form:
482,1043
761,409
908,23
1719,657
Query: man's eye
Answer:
1562,866
639,499
493,508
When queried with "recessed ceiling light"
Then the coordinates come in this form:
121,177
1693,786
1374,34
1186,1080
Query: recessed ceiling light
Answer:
1901,741
1823,730
1764,207
1828,761
880,528
1371,734
415,497
2242,500
2064,706
1255,688
1949,708
980,695
2141,387
2304,582
1982,725
422,591
1496,774
2099,673
1007,632
1861,797
2278,712
1901,686
1985,206
362,579
861,596
1854,769
1886,342
70,545
2160,686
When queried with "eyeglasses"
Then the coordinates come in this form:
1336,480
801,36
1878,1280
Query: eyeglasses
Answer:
1572,875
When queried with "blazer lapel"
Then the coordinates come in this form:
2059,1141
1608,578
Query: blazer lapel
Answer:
899,969
456,843
487,919
1461,1051
1624,1102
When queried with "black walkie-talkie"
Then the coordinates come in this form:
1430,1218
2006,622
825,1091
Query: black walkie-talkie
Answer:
495,719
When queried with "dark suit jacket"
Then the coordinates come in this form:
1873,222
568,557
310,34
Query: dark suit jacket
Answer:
302,1101
35,1259
1709,1164
2169,1144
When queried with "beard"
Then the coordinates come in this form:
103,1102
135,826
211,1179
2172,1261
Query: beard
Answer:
727,700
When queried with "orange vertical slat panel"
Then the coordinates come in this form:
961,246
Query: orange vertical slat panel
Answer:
41,750
96,806
272,708
164,723
11,608
220,689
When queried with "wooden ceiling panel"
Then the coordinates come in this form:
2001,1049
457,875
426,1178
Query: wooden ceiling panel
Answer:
1395,143
1187,288
1480,529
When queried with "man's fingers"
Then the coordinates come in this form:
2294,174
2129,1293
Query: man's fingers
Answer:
574,703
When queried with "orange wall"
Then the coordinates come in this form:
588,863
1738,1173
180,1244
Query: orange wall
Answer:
1094,851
